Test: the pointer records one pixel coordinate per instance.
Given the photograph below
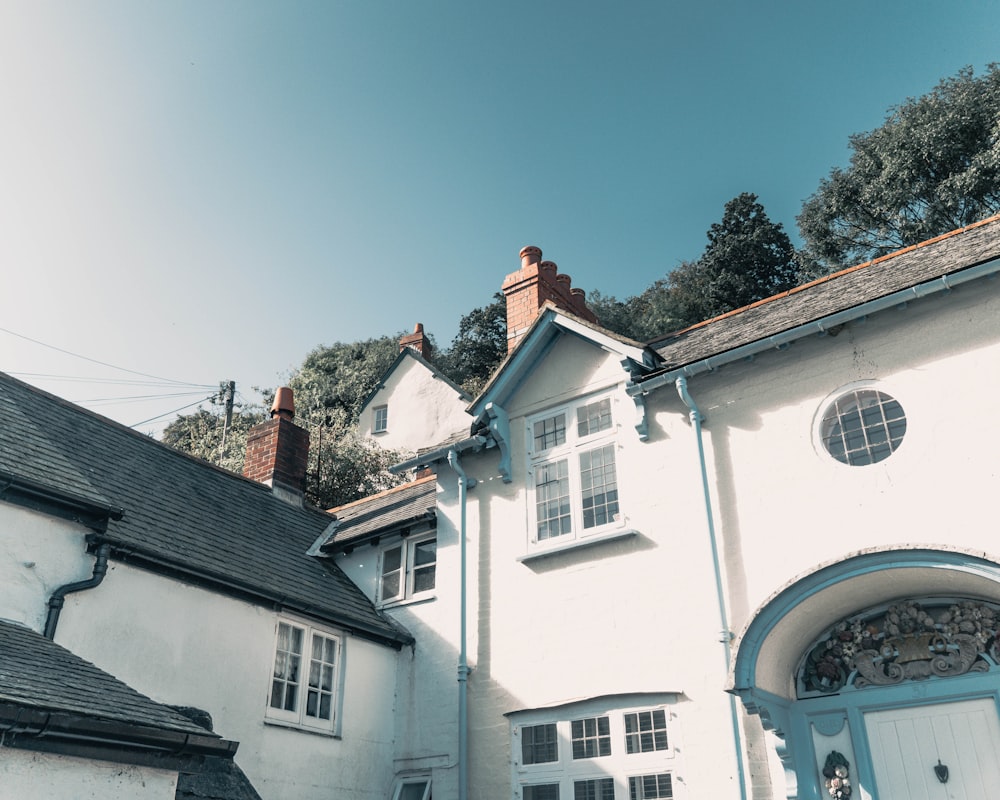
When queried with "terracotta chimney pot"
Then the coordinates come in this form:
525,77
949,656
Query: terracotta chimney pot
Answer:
530,255
284,403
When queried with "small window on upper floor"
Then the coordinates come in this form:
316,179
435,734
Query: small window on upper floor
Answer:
572,464
413,789
407,570
306,677
863,426
380,419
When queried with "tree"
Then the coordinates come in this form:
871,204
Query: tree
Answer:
479,346
642,317
330,387
200,434
933,166
337,378
747,258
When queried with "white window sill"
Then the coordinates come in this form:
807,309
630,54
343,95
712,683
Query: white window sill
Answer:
409,601
577,544
277,723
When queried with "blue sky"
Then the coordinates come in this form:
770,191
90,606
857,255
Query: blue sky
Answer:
205,191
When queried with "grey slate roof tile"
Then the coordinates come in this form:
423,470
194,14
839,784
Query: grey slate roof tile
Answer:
180,509
40,674
388,510
952,252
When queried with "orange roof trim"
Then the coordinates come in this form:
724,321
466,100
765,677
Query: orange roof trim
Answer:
825,278
384,493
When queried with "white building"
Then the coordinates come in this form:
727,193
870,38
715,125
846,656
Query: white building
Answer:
714,565
193,586
414,404
753,558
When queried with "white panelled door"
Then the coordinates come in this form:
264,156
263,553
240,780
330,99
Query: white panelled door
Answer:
906,744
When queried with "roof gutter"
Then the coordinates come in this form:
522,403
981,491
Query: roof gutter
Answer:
820,326
22,726
39,497
474,443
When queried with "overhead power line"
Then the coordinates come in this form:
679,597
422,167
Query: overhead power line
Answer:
102,363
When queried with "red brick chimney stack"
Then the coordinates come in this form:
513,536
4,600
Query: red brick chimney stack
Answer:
278,449
536,283
417,342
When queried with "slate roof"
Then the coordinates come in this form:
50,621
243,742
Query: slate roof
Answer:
952,252
390,510
40,674
219,779
183,515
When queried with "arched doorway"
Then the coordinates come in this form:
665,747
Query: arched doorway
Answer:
882,666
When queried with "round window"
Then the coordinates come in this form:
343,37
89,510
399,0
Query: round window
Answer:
864,426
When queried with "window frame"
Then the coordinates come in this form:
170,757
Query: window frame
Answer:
407,569
544,457
565,771
412,780
380,418
829,417
299,716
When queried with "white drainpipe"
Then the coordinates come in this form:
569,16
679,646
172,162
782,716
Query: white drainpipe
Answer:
727,636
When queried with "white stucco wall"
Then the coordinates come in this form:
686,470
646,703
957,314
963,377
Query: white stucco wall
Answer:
633,615
426,721
41,776
641,614
38,554
778,493
423,409
187,646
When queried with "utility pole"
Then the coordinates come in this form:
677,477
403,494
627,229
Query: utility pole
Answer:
228,396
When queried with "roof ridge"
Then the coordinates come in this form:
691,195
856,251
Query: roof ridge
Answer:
383,493
826,278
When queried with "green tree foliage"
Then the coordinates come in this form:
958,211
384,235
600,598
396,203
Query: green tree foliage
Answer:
329,388
479,346
747,258
200,434
933,166
336,379
642,317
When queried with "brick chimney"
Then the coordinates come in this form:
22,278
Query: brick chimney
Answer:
417,342
536,283
278,449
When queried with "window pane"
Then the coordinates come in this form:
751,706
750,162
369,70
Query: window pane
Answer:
599,789
646,786
392,573
413,791
287,658
424,558
552,507
863,427
593,417
550,432
599,486
646,731
319,698
591,737
548,791
539,744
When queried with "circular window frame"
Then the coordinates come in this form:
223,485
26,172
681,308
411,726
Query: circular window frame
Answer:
820,435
